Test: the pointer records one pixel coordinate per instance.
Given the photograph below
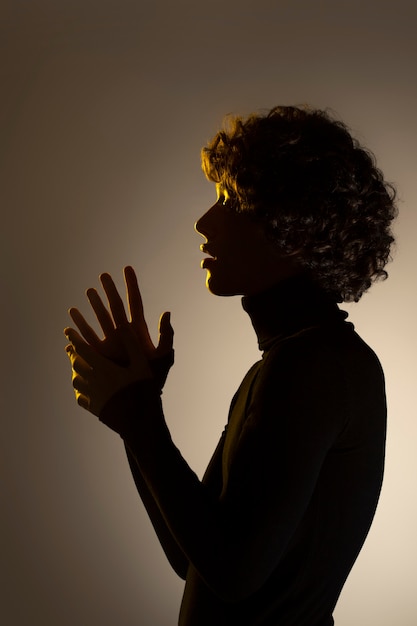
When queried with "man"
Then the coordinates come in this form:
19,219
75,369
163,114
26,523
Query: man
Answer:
268,537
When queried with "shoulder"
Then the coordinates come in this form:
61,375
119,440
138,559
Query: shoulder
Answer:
332,350
322,374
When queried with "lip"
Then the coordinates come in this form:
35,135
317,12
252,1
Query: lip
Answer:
208,250
208,262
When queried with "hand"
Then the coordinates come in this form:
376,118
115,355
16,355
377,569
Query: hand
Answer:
160,357
96,378
125,354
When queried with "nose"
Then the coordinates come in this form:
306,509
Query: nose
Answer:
197,225
202,225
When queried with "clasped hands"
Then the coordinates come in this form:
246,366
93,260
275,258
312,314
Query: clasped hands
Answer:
126,354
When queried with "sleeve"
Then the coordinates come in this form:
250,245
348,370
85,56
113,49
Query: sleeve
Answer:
173,552
236,541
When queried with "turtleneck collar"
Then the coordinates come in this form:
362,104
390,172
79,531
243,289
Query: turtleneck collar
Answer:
290,307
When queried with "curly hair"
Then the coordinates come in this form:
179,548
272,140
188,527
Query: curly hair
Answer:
316,189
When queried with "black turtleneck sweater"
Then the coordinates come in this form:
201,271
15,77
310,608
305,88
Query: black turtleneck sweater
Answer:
269,535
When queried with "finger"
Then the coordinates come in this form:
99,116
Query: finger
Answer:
85,329
77,363
115,302
166,334
82,401
103,316
80,384
82,348
136,307
133,295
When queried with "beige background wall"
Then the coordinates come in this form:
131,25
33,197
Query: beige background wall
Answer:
104,107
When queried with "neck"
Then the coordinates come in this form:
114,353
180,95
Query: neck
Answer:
291,306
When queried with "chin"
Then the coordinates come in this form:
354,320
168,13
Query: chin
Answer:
221,288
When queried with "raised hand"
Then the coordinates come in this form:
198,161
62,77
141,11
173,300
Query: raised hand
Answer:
125,354
160,357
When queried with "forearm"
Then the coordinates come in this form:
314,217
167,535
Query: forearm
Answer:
189,509
173,552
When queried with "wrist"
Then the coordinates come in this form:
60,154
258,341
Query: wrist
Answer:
134,411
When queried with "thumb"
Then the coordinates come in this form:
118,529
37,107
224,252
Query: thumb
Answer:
166,334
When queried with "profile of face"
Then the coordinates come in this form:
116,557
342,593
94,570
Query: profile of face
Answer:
242,260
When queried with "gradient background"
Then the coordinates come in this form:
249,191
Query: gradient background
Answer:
104,107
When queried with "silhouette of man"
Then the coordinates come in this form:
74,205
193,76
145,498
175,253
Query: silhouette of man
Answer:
301,223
